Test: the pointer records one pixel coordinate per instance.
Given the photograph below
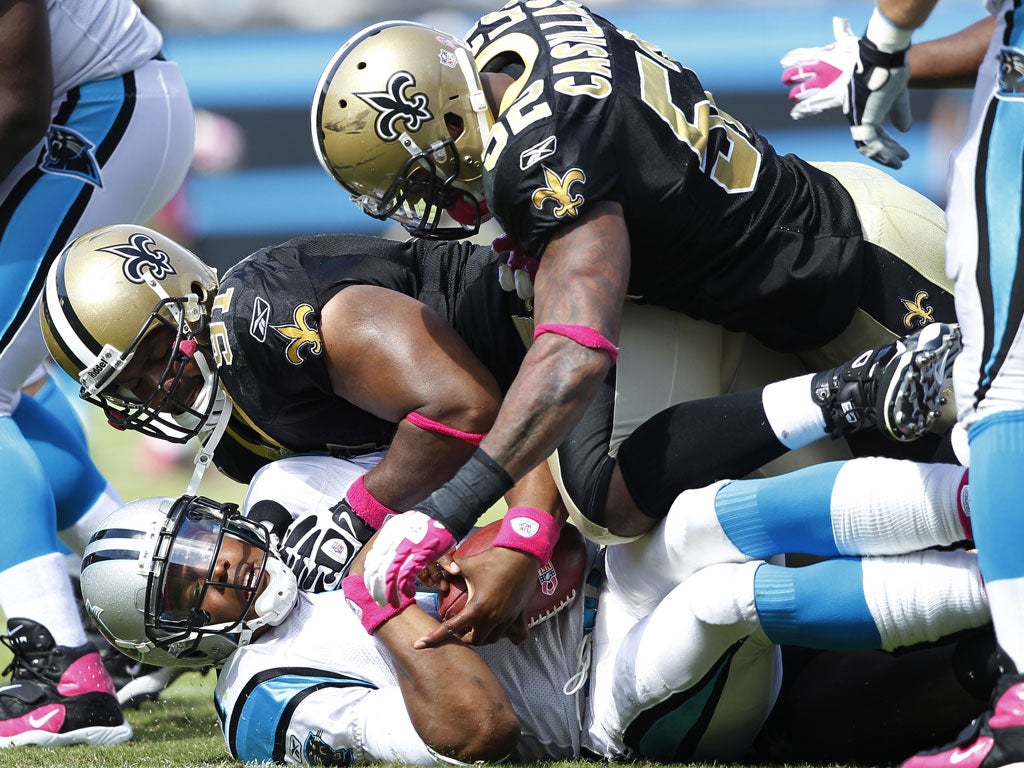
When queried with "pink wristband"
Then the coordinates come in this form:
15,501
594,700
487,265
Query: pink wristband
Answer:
581,334
529,530
366,608
424,422
363,503
963,505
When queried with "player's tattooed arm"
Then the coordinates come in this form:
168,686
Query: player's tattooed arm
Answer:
581,281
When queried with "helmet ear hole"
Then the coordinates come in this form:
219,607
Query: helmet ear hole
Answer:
456,125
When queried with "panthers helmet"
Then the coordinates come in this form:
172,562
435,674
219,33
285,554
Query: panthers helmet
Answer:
148,567
104,295
400,120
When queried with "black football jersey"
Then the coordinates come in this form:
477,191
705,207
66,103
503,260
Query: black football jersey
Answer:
721,226
265,331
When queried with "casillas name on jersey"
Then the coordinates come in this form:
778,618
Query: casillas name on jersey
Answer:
714,214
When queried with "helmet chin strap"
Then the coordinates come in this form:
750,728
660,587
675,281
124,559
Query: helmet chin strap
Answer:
222,415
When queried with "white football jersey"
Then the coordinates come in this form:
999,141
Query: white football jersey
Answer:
98,39
320,684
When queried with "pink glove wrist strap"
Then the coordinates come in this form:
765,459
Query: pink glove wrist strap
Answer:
581,334
424,422
370,614
529,530
363,503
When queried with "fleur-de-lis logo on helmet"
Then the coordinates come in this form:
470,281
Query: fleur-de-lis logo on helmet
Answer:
141,255
918,313
395,105
557,189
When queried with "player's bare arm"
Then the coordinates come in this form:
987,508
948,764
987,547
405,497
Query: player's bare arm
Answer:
391,355
454,700
581,281
909,14
26,78
951,61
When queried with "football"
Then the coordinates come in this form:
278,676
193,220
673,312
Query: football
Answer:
557,581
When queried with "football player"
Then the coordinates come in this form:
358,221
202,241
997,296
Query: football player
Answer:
348,344
983,255
95,126
612,169
673,636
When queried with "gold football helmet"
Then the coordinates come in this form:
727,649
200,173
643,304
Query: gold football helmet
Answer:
399,119
104,295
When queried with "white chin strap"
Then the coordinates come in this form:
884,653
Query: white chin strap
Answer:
219,418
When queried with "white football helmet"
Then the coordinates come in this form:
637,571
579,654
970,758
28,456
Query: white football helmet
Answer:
149,565
105,293
400,120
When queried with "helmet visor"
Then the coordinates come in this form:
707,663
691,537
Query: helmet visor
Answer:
210,572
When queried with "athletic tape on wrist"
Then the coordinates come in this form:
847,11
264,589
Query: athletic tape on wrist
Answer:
425,422
370,614
460,502
581,334
364,504
529,530
887,37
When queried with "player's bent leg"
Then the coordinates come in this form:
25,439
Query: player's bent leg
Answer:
873,602
677,685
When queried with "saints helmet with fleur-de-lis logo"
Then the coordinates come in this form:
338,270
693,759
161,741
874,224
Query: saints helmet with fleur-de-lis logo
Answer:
399,119
103,297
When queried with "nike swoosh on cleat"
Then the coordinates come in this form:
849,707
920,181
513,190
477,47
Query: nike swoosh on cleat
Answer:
982,745
39,722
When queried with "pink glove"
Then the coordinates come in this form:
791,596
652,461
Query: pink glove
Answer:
820,76
403,547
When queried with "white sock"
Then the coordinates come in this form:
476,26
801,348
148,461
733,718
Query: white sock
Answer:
890,506
76,536
794,416
924,595
39,590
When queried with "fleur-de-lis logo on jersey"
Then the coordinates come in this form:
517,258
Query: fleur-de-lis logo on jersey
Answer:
141,255
303,337
558,189
395,105
918,313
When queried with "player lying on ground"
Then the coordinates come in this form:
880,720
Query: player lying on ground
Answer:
682,661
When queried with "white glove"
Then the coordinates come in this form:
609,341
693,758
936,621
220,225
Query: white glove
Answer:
319,548
868,82
878,92
404,546
819,76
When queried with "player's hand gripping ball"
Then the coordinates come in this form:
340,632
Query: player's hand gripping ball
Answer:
557,581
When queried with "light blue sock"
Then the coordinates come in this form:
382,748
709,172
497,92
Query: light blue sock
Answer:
997,494
30,518
74,479
817,606
775,515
